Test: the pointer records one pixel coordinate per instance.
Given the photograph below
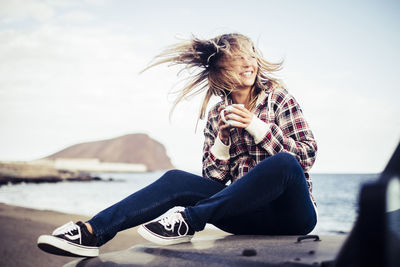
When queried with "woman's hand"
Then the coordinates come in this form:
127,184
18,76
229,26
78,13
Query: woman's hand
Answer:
223,129
241,115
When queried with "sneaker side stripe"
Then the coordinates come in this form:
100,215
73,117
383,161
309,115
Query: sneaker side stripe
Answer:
162,240
51,243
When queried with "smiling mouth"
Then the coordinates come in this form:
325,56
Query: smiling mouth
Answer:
247,74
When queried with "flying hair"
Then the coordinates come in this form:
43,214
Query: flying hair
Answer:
202,58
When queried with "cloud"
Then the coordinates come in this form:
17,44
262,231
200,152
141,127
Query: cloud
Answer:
16,10
77,17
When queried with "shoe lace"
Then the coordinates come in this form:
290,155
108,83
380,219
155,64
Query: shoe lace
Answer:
170,221
66,229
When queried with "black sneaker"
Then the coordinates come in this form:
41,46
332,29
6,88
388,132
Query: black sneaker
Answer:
172,229
71,239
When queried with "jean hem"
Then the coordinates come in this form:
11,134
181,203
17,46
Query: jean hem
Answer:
192,222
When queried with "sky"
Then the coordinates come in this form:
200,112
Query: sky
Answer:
69,73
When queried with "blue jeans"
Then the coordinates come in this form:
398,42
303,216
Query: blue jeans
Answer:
271,199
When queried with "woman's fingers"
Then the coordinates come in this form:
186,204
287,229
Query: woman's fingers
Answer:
224,127
241,111
235,117
240,117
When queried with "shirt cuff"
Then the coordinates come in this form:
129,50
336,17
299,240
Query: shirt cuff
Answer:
258,129
220,150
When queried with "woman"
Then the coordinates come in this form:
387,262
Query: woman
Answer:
265,150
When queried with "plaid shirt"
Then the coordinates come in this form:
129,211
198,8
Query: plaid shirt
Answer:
288,131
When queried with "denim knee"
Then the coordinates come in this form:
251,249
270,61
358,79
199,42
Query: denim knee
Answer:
286,157
288,161
173,176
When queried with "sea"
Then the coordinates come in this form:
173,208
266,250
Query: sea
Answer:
336,196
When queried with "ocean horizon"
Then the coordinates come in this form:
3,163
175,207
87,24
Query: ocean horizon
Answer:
336,195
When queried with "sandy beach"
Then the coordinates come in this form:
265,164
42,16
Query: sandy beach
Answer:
20,228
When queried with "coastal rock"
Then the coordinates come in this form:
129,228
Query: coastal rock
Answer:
131,148
23,172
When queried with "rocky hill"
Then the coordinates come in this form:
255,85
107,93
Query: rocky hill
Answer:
131,148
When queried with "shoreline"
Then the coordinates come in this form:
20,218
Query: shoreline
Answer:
25,172
20,227
5,180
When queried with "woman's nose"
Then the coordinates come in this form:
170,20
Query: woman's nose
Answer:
246,61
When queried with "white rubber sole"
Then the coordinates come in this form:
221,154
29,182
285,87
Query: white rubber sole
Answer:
160,240
59,246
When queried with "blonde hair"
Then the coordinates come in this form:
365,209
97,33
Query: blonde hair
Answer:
201,58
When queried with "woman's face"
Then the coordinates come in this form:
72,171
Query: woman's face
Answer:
243,65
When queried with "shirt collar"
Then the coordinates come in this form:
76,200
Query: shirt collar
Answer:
261,98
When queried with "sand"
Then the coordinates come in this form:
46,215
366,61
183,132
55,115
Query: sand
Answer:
20,228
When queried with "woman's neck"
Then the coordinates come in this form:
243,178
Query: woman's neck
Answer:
242,97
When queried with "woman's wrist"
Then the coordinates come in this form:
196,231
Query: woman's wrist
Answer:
225,141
